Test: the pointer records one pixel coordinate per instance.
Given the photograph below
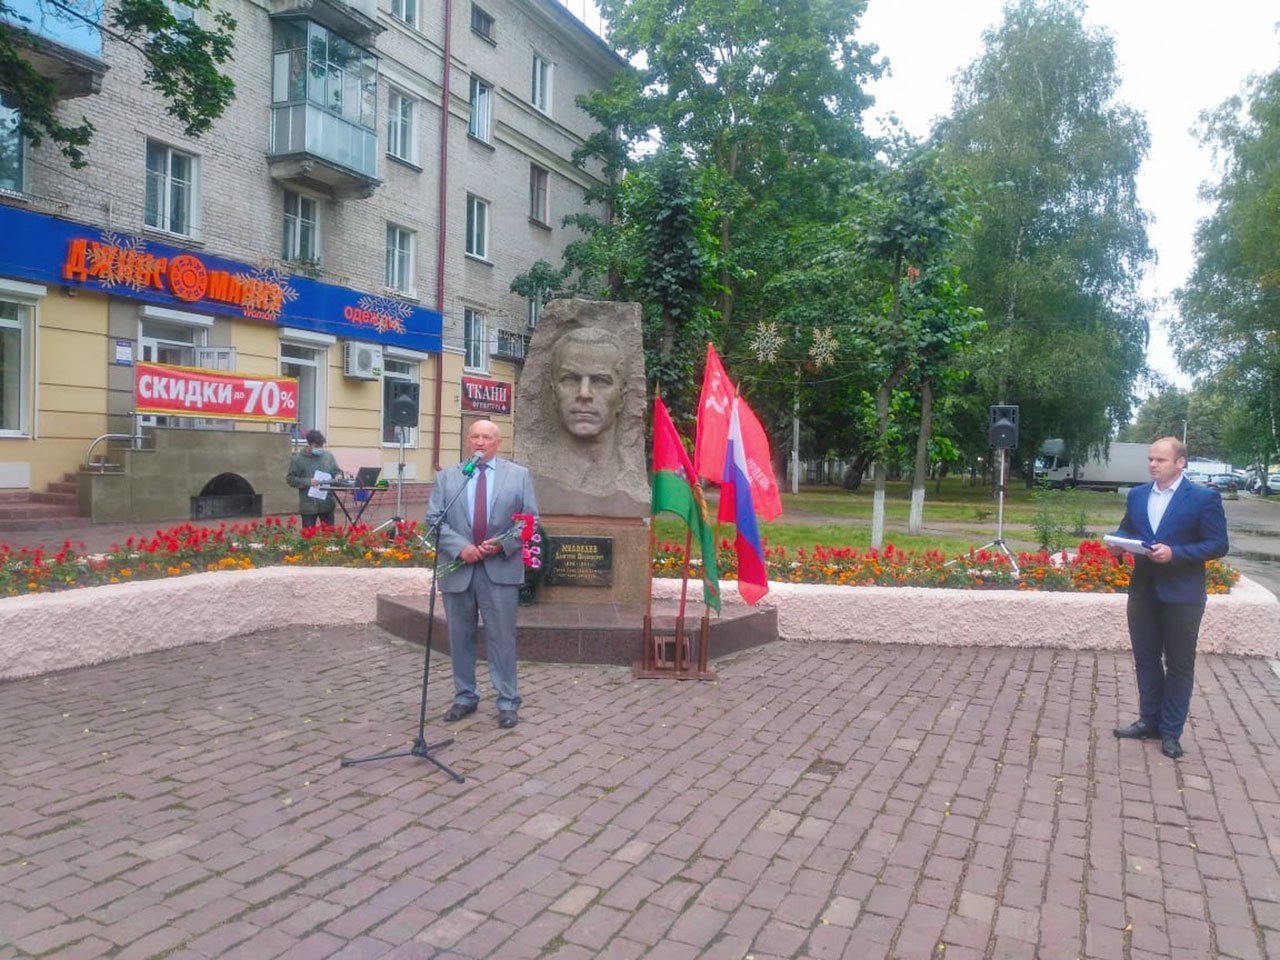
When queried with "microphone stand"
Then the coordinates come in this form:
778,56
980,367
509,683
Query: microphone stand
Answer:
420,746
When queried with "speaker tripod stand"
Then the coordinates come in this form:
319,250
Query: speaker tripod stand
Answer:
998,543
394,521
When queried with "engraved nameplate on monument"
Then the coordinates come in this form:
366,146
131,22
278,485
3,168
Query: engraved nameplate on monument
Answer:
580,561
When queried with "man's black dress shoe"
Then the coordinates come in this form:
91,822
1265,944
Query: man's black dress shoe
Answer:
507,719
1170,747
458,711
1137,731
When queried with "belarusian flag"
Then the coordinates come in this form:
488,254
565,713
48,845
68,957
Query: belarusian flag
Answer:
674,491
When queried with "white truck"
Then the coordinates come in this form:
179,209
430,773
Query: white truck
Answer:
1123,465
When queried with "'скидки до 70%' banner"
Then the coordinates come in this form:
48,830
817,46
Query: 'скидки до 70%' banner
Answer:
192,392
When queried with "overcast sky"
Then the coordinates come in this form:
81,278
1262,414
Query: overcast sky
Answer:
1175,60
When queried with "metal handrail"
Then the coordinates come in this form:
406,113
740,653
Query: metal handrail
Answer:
88,454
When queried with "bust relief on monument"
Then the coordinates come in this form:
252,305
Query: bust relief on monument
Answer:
580,407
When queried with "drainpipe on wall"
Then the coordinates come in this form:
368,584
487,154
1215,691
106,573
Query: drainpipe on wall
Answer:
438,426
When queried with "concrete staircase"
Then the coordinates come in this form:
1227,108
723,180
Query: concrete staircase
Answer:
53,509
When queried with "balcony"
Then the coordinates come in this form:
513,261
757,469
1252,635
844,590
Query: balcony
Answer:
60,46
509,345
318,150
357,21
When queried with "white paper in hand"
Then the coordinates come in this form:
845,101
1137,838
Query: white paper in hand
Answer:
1127,544
318,478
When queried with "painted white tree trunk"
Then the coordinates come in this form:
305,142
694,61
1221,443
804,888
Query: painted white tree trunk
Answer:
915,519
877,509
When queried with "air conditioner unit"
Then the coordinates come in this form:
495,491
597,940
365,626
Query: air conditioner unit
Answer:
361,361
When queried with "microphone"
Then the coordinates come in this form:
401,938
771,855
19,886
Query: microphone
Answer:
469,467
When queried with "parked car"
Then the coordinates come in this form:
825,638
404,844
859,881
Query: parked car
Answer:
1200,478
1224,482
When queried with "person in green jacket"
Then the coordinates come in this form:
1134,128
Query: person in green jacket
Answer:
302,468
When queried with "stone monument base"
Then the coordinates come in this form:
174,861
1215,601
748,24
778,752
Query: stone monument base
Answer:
630,569
587,633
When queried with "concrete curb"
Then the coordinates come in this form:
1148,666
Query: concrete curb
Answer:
45,632
42,633
1245,622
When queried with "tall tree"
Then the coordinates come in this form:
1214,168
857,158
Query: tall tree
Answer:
660,249
1058,254
1231,305
767,94
181,61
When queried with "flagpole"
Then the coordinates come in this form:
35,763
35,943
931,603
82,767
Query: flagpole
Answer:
646,655
684,593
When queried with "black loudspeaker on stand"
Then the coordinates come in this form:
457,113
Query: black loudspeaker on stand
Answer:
420,746
1003,435
404,404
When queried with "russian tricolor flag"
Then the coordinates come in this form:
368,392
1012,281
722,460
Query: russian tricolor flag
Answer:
736,508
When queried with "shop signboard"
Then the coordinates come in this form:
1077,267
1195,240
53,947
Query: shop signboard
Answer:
46,249
485,396
161,388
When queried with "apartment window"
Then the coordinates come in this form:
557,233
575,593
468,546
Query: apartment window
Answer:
402,126
12,149
481,97
476,339
477,227
301,228
534,313
540,96
482,23
394,373
15,371
539,193
405,11
171,189
309,365
399,259
180,10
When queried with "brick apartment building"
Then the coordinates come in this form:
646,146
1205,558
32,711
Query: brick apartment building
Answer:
346,233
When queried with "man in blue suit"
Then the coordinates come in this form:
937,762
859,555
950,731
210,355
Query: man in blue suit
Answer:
1183,526
488,582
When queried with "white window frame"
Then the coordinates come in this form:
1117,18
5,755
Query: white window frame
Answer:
480,118
401,245
477,227
148,346
391,374
475,340
479,13
182,11
166,187
21,148
320,344
541,87
26,297
539,194
402,126
406,11
292,250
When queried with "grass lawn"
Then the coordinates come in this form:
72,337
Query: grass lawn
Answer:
968,512
955,502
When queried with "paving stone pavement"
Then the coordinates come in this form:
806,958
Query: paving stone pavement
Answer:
818,801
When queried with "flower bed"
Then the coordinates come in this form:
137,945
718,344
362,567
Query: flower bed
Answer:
187,549
1091,569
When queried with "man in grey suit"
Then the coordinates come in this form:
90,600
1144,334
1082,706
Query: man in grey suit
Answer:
489,581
